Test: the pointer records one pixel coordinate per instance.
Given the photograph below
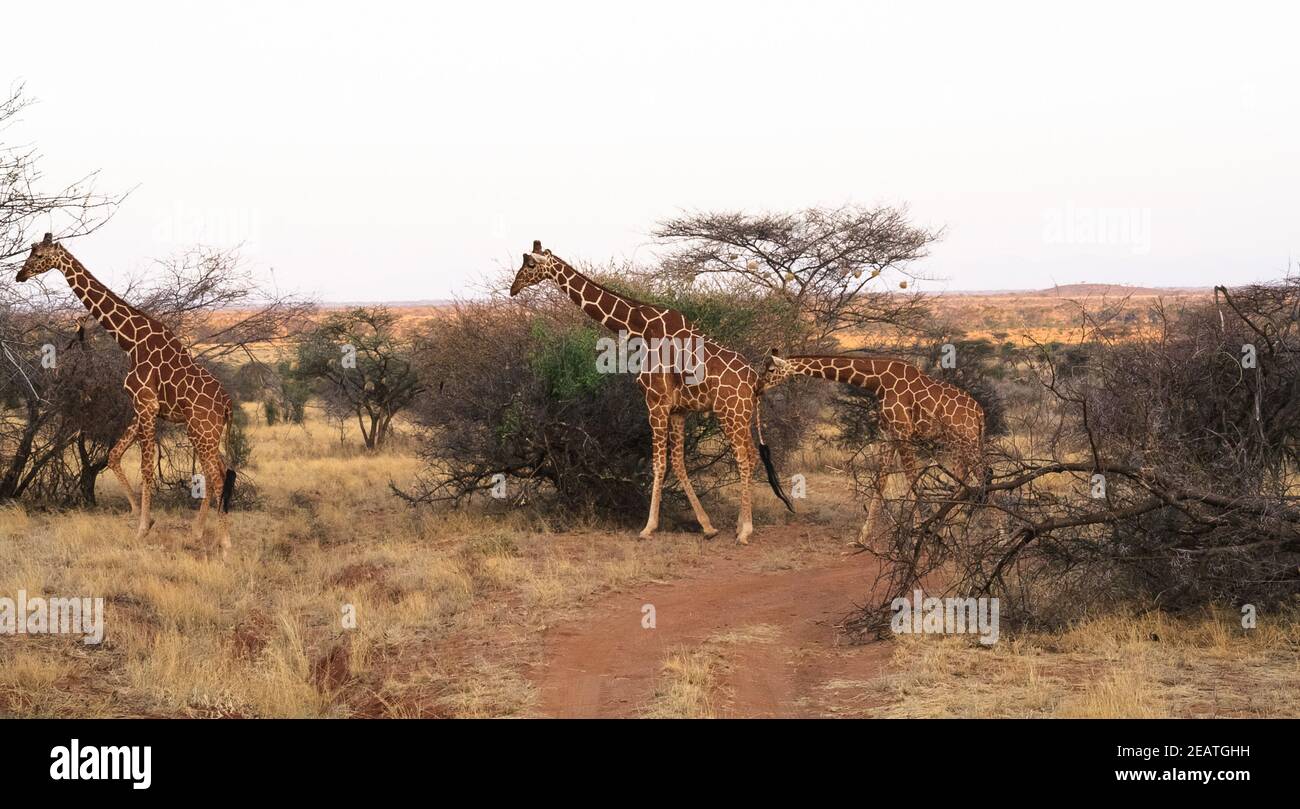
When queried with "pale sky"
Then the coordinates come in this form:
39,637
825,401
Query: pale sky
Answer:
375,151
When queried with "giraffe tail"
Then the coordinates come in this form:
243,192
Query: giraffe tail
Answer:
982,462
765,455
228,486
228,489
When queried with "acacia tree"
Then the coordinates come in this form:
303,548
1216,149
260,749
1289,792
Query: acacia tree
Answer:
833,264
362,367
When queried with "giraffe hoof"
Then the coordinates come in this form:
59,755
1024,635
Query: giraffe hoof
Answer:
710,533
644,534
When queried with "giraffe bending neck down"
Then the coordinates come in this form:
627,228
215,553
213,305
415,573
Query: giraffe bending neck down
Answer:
164,382
913,407
692,374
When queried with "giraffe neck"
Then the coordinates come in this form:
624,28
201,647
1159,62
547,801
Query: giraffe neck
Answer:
600,303
863,372
113,313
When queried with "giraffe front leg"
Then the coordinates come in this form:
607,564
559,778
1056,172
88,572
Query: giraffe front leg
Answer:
885,459
907,464
145,426
677,452
115,463
659,457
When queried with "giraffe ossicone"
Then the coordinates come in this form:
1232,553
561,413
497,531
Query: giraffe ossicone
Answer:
164,382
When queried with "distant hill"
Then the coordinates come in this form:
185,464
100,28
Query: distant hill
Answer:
1077,291
1111,290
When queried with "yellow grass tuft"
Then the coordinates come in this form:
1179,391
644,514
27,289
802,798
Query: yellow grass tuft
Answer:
689,683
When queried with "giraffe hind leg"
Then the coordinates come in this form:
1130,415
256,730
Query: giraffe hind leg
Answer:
973,473
115,463
677,451
736,426
205,441
214,473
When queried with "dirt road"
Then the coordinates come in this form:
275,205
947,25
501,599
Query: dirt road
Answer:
607,663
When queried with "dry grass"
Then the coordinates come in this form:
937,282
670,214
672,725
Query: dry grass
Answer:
687,686
1134,666
449,607
1026,318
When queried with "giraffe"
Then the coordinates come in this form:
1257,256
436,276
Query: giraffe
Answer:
913,406
164,382
684,372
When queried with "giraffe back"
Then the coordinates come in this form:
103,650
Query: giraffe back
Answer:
944,412
712,377
163,365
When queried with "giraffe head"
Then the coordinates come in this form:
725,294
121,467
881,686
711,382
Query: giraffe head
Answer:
537,267
46,255
776,371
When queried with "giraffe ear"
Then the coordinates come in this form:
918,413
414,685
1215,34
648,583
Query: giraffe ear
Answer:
49,239
778,362
537,245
